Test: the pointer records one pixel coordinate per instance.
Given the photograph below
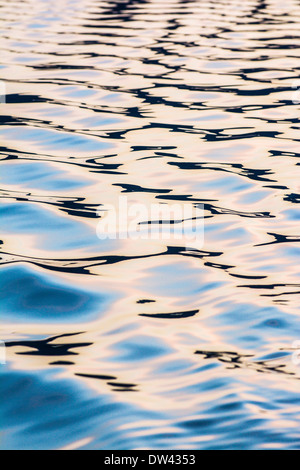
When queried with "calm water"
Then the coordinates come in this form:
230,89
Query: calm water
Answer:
118,344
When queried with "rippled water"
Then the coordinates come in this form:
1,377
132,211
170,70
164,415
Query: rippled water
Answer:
117,344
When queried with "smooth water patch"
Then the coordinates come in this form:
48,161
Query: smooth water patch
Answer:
52,142
46,226
39,175
28,296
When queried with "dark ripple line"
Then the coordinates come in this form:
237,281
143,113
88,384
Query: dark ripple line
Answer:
71,206
251,173
80,266
215,210
239,361
170,316
46,347
281,239
91,164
